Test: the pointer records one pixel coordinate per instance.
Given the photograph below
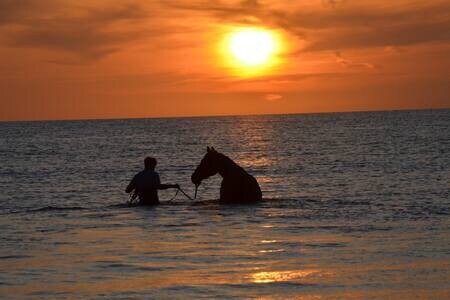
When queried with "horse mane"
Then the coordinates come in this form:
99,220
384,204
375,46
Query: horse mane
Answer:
228,162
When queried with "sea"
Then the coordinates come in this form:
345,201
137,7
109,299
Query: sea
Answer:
356,206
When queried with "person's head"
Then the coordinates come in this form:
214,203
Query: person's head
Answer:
150,163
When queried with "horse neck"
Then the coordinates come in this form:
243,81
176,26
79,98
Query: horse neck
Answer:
226,166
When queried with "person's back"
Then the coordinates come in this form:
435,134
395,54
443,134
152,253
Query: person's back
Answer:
147,183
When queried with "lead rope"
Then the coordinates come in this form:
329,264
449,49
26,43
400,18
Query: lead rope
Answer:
176,193
184,193
133,196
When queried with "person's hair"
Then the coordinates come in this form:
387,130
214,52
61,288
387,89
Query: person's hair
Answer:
150,162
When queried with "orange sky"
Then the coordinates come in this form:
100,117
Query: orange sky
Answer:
77,59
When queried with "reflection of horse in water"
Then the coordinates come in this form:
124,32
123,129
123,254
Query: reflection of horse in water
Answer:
237,186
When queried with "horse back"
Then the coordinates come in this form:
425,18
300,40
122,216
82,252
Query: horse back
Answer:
240,188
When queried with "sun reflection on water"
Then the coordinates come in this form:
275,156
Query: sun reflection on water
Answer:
264,179
272,251
267,226
255,161
268,241
267,277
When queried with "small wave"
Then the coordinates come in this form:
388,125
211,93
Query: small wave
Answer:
278,201
165,203
128,205
129,267
325,245
203,202
14,257
120,205
55,208
42,209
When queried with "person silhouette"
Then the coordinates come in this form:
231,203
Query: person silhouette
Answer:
146,184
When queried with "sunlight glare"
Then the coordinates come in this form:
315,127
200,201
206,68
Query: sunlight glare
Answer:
251,51
252,47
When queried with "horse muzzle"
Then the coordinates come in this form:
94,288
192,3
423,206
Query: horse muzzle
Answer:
196,179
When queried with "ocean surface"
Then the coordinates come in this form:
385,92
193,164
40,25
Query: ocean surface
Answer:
356,205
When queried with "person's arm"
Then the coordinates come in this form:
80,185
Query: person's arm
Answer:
168,186
161,186
131,186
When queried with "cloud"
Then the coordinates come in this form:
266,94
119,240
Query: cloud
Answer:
93,30
293,78
351,64
218,8
273,97
13,10
357,26
90,33
245,11
333,3
198,82
394,35
347,25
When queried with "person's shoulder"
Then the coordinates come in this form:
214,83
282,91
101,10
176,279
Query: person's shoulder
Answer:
154,174
140,173
148,173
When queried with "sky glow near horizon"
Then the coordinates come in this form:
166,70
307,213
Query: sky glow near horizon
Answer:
67,59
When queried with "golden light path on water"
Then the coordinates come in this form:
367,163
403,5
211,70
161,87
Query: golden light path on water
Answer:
97,252
266,277
100,247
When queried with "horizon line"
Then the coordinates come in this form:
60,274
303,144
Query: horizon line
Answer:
222,115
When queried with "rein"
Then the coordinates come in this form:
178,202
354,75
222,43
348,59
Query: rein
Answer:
184,193
133,196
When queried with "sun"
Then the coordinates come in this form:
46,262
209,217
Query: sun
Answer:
250,51
252,47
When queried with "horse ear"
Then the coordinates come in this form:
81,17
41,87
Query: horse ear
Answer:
208,149
212,149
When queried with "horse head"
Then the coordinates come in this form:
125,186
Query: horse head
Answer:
207,167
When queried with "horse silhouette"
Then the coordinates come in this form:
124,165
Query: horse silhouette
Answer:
237,185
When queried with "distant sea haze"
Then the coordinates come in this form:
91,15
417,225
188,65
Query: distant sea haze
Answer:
356,205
